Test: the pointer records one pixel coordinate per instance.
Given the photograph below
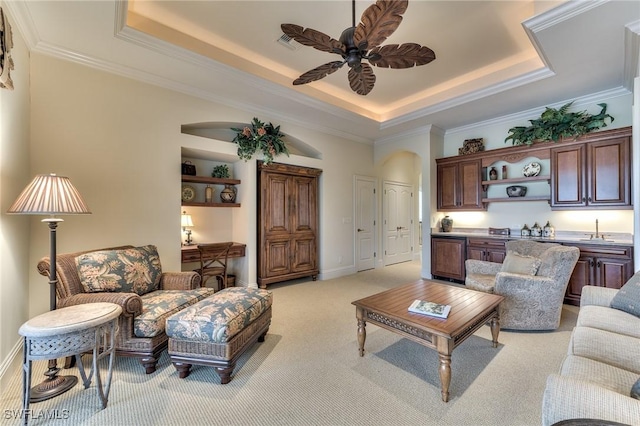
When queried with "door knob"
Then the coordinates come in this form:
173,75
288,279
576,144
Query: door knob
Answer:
360,230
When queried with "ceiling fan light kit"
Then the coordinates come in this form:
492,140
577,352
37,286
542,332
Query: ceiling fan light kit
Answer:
360,42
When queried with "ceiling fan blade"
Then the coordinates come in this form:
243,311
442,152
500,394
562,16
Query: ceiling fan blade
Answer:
313,38
319,72
379,21
362,81
404,55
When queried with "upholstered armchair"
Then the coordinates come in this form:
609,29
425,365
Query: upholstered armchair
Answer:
533,279
141,326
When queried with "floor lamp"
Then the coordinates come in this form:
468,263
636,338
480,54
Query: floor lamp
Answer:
50,195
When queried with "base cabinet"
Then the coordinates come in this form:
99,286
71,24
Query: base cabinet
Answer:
489,250
600,266
447,258
287,222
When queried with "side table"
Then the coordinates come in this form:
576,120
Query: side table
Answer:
67,332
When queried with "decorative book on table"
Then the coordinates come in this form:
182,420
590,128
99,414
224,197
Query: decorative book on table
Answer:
430,308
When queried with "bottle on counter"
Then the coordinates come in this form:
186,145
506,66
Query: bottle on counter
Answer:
536,230
525,231
548,230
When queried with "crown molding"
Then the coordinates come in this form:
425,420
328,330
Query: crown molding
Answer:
23,22
561,13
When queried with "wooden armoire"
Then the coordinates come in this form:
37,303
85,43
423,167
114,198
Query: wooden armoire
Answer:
287,222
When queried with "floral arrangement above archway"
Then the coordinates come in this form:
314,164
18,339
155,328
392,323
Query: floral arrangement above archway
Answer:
260,136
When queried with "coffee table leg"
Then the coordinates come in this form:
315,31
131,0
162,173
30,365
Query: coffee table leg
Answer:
445,348
495,329
362,332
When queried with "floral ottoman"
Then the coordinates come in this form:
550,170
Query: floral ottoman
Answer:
218,329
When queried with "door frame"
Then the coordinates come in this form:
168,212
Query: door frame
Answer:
383,248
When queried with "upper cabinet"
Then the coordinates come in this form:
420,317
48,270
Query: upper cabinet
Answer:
593,172
459,185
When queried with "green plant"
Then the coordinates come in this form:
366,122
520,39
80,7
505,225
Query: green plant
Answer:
554,124
264,137
221,171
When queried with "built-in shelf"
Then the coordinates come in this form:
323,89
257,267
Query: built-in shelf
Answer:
210,180
531,198
195,204
516,180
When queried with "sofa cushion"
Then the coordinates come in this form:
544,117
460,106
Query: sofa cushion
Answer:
159,305
628,297
219,317
131,270
609,320
603,346
519,264
605,375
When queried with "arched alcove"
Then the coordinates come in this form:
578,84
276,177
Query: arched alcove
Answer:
221,130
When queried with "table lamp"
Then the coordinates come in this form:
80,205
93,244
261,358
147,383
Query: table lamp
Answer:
50,195
186,222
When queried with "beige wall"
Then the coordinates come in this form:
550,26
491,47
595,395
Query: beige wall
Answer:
14,234
119,141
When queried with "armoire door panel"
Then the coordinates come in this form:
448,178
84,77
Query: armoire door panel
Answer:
276,205
278,254
304,254
304,199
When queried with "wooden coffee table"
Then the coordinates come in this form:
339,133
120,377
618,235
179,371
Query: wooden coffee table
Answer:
470,310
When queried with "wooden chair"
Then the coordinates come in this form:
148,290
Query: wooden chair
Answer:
213,262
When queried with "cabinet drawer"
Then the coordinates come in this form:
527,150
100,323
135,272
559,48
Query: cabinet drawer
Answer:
602,250
486,243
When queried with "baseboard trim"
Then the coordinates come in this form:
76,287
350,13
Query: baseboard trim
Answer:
337,273
9,365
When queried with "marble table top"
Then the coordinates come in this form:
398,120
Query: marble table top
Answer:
70,319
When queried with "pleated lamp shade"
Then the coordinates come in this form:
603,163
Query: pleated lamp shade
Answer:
50,194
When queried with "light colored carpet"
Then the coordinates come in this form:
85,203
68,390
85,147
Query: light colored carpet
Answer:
308,372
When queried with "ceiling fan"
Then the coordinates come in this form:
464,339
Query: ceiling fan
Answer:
377,23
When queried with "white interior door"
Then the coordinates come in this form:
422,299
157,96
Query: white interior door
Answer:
397,222
365,222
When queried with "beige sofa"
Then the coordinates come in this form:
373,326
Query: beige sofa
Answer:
601,366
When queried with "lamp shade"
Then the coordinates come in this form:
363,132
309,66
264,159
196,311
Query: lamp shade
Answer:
50,194
185,220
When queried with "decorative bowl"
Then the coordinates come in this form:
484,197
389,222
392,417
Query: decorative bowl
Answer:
516,191
531,169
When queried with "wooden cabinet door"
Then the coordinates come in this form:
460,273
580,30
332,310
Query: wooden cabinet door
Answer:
277,257
448,196
303,257
276,204
568,186
470,185
303,204
582,275
612,272
459,186
447,258
609,173
596,174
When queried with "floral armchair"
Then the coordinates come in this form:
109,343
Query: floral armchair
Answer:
132,278
533,279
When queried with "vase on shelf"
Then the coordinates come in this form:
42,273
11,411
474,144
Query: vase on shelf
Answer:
228,194
493,174
208,194
504,172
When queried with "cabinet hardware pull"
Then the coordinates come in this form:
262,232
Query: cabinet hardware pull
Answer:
591,263
589,199
584,199
599,263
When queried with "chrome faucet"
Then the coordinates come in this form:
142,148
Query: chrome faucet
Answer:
598,235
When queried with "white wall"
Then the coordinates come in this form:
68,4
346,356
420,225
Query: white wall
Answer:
14,230
506,214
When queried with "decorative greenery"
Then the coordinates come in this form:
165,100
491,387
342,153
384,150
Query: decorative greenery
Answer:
264,137
554,124
221,171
